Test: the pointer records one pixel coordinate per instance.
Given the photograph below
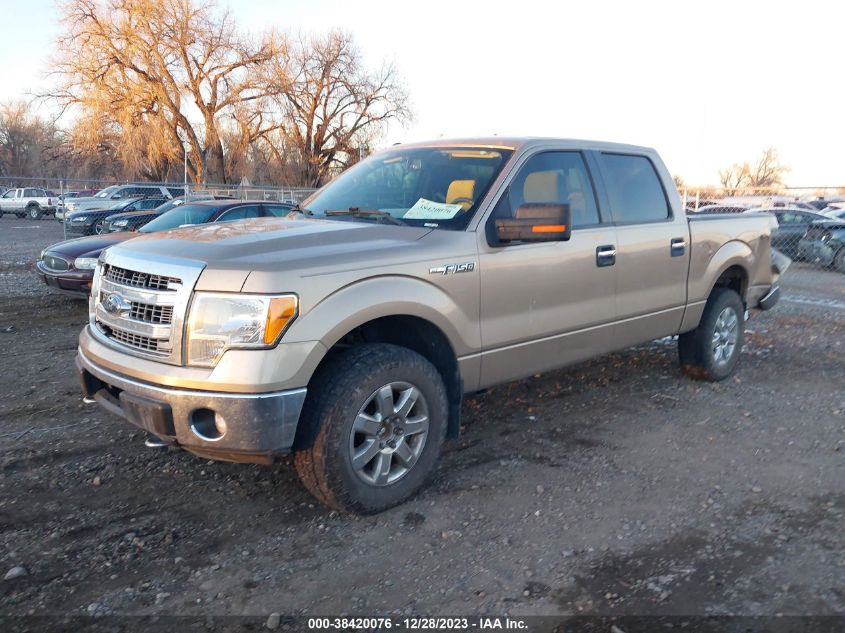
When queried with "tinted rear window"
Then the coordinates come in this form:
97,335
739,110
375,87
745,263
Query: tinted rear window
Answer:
634,189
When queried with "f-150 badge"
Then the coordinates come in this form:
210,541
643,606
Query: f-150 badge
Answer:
466,267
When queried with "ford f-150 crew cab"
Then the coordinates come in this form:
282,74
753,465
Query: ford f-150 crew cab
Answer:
348,331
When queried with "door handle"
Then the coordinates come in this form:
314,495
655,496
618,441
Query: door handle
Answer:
678,246
605,255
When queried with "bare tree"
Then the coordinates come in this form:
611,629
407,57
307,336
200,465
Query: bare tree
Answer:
23,140
334,108
734,179
160,72
767,172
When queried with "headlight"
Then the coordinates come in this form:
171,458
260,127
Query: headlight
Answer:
224,321
120,223
85,263
80,218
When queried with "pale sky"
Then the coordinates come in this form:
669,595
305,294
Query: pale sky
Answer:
707,83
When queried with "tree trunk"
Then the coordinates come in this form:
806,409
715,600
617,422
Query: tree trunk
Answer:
215,166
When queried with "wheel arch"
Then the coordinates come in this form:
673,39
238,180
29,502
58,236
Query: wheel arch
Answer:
418,315
729,267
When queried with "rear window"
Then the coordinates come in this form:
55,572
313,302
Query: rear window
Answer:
634,189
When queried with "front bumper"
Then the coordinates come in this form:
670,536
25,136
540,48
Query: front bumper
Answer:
816,251
228,426
76,283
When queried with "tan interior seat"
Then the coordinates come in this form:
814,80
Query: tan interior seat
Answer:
461,192
541,186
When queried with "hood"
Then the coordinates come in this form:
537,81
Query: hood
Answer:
87,246
233,250
830,223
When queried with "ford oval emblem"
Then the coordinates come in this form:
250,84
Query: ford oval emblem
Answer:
115,304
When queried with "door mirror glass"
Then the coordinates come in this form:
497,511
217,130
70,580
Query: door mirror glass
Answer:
536,222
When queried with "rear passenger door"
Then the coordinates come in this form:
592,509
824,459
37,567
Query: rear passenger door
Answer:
652,250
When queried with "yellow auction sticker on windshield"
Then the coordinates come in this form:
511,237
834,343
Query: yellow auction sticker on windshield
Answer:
429,210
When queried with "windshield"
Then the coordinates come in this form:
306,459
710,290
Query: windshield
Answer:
105,193
437,187
183,214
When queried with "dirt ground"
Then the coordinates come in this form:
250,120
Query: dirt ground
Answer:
614,487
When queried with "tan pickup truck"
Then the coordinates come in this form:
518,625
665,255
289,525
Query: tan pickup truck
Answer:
349,331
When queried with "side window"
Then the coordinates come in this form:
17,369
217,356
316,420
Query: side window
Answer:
30,193
559,177
240,213
790,218
634,189
277,210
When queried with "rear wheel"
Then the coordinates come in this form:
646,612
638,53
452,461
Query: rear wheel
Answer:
711,351
381,411
34,212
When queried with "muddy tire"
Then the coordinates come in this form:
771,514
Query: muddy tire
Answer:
379,415
711,351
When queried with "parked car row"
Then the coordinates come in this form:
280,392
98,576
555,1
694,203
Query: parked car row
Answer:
804,232
69,266
810,236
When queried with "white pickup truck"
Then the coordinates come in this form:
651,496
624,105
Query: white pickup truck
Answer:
29,201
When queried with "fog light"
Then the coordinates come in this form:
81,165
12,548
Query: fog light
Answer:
207,425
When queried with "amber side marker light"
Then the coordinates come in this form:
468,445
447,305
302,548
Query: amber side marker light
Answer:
548,228
282,311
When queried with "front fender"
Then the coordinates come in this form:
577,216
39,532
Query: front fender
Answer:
453,309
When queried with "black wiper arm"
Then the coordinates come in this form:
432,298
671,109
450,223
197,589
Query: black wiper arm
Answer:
355,212
301,210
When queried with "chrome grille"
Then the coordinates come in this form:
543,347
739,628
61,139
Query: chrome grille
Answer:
136,279
153,294
137,341
151,313
55,263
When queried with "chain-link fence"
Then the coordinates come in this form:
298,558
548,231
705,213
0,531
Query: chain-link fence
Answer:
88,206
811,220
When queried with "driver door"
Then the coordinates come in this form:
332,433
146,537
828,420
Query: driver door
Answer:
547,304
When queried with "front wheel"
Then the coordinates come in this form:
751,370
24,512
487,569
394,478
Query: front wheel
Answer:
711,351
98,228
380,412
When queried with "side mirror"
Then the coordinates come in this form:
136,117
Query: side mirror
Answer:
537,222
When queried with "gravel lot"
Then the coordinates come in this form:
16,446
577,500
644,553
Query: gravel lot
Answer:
613,487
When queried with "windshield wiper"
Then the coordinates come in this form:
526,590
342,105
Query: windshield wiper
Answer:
366,214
